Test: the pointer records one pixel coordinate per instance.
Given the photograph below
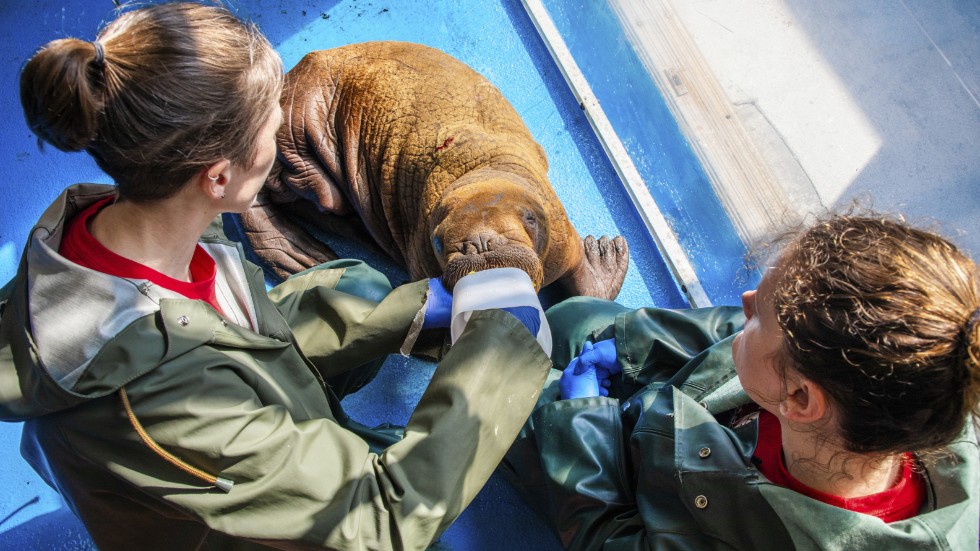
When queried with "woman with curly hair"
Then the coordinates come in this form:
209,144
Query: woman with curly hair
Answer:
835,410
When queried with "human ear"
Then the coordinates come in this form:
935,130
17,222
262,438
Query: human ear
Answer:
213,179
805,401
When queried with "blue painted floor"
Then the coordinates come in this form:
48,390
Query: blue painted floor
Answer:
494,37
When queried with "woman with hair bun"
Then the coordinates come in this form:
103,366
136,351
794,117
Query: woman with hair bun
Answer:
835,410
171,400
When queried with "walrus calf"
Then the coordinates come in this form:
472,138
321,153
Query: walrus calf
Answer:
405,147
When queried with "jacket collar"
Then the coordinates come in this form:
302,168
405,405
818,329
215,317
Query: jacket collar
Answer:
709,456
70,334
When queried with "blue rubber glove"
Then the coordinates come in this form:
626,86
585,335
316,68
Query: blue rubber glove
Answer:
438,305
587,375
528,315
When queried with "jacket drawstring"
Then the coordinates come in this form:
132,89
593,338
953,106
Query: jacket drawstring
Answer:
223,484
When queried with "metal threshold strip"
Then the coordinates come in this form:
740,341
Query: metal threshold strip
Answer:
653,219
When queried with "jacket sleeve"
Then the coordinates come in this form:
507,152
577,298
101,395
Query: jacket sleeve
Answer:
653,344
591,499
584,451
581,452
311,484
337,330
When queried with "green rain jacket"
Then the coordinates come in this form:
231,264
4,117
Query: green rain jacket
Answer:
215,405
662,469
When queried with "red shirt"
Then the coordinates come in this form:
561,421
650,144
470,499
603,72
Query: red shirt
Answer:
901,501
80,247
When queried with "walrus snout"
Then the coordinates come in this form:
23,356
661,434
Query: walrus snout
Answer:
482,242
503,254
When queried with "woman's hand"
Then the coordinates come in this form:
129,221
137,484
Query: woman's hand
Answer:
587,375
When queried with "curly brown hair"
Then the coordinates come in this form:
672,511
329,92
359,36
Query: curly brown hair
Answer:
883,316
165,91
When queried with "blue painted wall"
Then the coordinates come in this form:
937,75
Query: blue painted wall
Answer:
663,157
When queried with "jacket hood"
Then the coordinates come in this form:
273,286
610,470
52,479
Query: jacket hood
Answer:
64,328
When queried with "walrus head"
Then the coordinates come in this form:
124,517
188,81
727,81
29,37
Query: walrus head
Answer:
494,221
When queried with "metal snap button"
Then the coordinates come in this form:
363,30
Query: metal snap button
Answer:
183,320
704,452
701,502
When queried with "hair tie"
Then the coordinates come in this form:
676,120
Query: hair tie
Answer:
99,60
971,323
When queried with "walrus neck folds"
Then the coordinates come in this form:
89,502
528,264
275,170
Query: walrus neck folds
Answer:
483,175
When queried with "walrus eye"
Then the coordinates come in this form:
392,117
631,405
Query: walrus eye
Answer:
530,220
437,245
534,231
531,226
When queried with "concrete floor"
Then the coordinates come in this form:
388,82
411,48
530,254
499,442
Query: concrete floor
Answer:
799,105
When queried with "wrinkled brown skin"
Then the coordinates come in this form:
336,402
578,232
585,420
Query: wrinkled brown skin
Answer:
404,146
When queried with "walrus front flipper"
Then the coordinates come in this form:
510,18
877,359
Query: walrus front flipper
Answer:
282,246
602,270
